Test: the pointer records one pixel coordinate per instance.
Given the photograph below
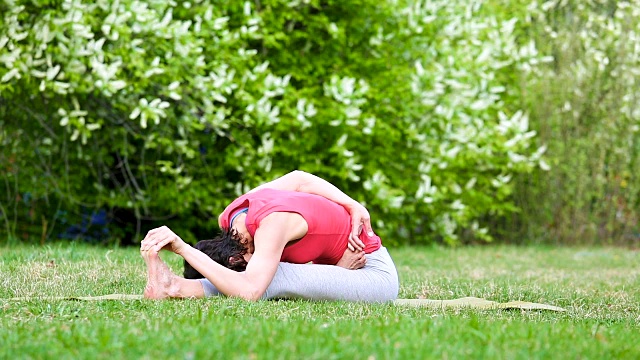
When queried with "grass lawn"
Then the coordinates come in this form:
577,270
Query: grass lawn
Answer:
599,287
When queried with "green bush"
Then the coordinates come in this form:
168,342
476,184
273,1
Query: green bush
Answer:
163,112
585,109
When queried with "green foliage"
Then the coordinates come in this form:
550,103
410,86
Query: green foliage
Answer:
584,106
163,112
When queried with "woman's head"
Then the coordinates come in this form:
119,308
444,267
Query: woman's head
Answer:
227,249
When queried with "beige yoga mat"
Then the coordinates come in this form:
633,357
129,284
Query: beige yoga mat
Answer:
474,303
462,303
82,298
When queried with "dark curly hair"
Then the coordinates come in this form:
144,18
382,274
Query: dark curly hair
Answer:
227,249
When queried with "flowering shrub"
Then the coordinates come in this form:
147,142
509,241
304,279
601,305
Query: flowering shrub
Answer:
585,107
165,111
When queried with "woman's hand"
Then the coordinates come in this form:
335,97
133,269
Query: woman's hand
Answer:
162,238
352,260
360,220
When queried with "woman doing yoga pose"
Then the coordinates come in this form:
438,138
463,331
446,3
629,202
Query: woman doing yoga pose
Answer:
269,236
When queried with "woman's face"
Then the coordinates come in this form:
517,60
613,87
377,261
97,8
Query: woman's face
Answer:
250,249
239,226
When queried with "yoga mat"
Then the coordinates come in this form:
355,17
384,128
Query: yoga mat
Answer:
80,298
474,303
462,303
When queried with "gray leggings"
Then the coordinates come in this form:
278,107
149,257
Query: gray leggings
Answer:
377,281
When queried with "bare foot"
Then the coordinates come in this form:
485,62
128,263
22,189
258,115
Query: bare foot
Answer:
160,279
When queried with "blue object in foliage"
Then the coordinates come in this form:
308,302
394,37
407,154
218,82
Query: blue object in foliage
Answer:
92,228
26,198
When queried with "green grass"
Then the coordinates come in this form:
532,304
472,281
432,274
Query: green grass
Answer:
597,286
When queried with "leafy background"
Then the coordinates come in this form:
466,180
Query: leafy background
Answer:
452,121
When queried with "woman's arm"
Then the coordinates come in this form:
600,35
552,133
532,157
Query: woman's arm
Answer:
308,183
249,284
301,181
275,231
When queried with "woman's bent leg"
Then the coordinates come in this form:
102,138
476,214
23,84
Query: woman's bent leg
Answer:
377,281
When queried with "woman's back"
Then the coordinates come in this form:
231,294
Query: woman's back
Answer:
329,224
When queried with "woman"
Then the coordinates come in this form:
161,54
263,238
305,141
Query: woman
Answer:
298,218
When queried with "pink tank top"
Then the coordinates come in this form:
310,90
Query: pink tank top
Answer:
329,224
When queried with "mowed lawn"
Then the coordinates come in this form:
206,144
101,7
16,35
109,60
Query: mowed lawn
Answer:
599,288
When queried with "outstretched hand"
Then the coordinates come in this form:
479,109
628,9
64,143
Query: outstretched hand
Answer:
360,220
162,238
